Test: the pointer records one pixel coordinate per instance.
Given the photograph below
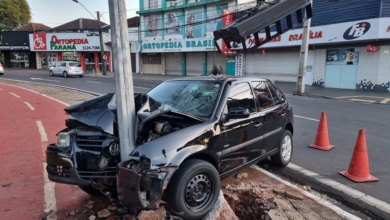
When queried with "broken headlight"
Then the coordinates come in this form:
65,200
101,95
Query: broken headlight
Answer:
63,139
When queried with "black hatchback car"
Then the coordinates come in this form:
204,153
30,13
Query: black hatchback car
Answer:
190,132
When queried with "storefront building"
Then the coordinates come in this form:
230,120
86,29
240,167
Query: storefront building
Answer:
15,51
176,36
349,43
79,47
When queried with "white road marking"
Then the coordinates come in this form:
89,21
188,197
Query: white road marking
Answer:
311,119
323,202
49,80
140,87
50,196
55,100
93,82
14,95
30,106
384,101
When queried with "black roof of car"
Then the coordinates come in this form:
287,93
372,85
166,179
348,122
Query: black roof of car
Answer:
221,78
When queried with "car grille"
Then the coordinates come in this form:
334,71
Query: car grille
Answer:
92,174
92,141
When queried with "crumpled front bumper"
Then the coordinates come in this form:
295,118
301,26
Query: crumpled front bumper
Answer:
60,168
141,189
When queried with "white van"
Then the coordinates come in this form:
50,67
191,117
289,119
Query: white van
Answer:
67,68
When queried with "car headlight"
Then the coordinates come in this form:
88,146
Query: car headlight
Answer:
63,139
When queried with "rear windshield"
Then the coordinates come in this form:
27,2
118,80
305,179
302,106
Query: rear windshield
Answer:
75,64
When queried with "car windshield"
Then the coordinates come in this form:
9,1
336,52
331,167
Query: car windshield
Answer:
196,98
75,64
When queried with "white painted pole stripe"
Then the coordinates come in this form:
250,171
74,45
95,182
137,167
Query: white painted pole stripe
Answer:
29,106
14,95
323,202
50,196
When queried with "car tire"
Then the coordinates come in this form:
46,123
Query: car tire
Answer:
91,190
283,157
51,73
193,189
81,76
65,74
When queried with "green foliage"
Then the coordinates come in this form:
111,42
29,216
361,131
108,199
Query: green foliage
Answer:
14,13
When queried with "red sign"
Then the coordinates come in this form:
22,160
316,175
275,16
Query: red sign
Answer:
104,57
40,41
372,48
227,19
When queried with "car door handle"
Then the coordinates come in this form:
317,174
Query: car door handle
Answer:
258,125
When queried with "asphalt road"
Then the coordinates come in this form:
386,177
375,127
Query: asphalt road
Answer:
344,119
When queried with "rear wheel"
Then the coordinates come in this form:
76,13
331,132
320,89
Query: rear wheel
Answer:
283,157
91,190
194,189
65,74
51,73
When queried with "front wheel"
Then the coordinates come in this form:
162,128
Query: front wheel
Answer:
51,73
283,157
193,189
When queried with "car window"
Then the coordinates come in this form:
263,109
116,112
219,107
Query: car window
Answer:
63,64
275,95
263,94
75,64
241,96
191,97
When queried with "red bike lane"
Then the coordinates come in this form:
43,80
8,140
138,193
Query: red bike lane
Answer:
28,122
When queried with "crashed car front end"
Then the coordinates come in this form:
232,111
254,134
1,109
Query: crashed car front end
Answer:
140,187
87,152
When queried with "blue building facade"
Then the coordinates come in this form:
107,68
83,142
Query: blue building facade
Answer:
349,43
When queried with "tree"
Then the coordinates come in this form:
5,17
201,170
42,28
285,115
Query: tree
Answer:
14,13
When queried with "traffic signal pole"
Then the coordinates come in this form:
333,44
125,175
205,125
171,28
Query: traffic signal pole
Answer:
123,77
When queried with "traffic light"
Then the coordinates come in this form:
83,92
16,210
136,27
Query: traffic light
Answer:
283,14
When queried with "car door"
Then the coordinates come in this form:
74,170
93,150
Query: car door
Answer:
273,113
243,142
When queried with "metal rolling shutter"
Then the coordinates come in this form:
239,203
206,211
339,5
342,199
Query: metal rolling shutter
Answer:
173,63
219,60
194,63
274,65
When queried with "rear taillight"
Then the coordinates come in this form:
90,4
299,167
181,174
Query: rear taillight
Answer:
69,68
1,65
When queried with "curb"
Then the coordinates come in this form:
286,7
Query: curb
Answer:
367,204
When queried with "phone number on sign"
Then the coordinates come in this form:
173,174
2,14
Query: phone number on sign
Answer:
91,47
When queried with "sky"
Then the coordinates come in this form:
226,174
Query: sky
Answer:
57,12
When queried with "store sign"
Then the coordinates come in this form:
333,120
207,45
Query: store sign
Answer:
64,42
185,45
39,41
356,30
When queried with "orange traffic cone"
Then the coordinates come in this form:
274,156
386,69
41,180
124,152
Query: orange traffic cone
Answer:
322,138
358,170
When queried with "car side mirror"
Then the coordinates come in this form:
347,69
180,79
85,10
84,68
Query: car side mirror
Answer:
238,112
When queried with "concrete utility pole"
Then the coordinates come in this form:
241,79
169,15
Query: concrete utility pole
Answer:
123,76
303,56
101,45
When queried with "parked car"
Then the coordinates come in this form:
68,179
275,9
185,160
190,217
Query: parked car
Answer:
190,132
66,69
1,68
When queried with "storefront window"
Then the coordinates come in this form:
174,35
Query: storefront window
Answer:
19,60
71,56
